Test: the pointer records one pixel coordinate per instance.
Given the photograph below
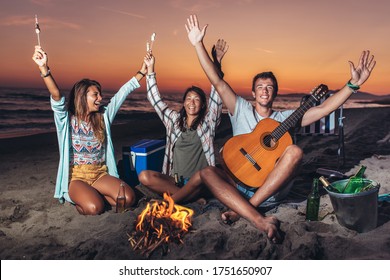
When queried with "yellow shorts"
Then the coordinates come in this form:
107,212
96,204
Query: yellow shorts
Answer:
88,173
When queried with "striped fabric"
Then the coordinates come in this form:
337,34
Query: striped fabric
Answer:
326,125
206,130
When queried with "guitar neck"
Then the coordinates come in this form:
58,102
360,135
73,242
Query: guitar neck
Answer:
292,120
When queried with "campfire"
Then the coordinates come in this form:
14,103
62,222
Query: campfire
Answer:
158,224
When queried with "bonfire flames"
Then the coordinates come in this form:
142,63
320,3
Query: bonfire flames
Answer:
158,224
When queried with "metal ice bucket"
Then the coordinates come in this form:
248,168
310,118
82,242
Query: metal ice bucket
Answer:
358,211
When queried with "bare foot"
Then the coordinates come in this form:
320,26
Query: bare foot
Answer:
230,217
270,225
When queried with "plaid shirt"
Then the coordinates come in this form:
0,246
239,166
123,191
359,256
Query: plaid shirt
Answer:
206,129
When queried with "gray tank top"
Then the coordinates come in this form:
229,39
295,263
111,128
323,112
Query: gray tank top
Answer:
188,155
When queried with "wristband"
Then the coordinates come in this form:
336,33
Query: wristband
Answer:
139,72
47,74
352,86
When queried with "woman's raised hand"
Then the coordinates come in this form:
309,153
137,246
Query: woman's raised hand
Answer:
40,57
149,61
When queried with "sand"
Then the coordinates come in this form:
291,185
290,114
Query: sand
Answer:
34,225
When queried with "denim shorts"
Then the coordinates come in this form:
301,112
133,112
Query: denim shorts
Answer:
185,181
276,199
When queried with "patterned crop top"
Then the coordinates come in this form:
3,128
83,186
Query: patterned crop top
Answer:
85,147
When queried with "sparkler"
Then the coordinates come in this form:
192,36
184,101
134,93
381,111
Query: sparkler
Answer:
37,29
150,45
152,38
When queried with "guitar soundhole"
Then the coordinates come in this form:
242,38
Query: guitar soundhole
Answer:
268,142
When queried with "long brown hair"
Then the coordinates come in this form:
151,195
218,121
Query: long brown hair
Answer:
201,114
78,107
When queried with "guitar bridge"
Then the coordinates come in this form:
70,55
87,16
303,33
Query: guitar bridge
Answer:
250,159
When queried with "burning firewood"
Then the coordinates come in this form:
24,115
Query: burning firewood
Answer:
158,224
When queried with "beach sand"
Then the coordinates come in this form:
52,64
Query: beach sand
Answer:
34,225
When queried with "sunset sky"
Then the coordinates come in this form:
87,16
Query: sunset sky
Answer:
304,42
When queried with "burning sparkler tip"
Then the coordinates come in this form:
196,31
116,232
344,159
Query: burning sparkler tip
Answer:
37,29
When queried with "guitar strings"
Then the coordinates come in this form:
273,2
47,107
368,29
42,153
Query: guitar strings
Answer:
278,132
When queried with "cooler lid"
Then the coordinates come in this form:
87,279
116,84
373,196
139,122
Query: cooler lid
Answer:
147,145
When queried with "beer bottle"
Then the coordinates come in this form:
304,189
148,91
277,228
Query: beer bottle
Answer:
356,182
327,185
177,183
313,202
121,199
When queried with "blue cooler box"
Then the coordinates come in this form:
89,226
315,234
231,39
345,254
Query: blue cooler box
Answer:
147,154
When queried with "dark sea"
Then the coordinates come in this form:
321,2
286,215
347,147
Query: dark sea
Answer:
25,111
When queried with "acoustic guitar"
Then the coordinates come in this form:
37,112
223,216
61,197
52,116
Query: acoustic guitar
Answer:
250,157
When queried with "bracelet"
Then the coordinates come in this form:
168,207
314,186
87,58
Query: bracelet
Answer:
139,72
47,74
352,86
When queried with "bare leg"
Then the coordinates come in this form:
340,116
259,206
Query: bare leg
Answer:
285,169
87,199
190,190
161,183
109,186
225,190
158,182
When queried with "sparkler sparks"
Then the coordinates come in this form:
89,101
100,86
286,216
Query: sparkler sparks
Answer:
37,29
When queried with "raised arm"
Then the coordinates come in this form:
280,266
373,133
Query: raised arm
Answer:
218,52
195,35
141,73
215,102
359,76
153,94
41,59
149,62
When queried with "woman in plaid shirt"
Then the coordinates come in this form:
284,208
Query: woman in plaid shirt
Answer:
190,135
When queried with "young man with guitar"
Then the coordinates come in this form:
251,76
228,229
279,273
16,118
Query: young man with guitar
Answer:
256,137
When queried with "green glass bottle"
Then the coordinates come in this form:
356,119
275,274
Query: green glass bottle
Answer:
313,202
356,182
327,185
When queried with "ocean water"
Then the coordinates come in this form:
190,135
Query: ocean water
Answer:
26,111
